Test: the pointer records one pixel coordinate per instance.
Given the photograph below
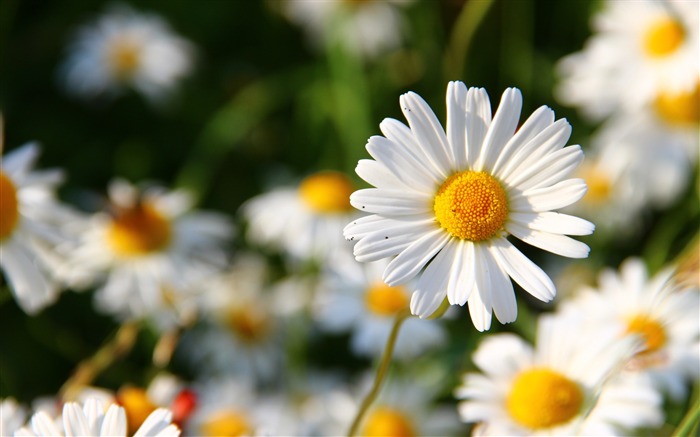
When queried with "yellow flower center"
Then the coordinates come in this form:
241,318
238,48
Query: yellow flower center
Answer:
327,192
140,230
137,406
651,331
228,423
599,184
663,37
679,109
387,422
541,398
471,205
124,56
249,324
9,207
385,300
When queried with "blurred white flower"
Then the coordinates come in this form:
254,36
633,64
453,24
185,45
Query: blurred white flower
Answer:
557,388
304,222
93,418
124,48
447,199
639,51
664,315
357,300
12,416
367,28
152,251
31,219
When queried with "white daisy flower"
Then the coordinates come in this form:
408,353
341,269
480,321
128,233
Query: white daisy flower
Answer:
152,251
241,333
30,221
445,203
124,48
663,314
358,300
558,388
639,50
12,416
367,28
305,222
93,419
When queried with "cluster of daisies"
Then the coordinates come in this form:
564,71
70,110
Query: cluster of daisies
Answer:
447,221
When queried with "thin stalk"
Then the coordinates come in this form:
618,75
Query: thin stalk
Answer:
689,422
463,31
381,371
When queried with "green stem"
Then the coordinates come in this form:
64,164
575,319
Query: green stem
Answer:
381,371
689,422
463,32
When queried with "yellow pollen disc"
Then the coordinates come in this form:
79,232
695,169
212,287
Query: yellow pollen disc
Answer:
327,192
385,300
228,423
541,398
124,56
651,331
248,324
387,422
663,37
137,406
471,205
599,184
9,207
679,109
140,230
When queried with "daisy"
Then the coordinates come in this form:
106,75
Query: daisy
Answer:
240,331
445,203
12,416
305,221
30,221
93,419
367,28
124,48
152,251
662,313
639,50
556,387
359,301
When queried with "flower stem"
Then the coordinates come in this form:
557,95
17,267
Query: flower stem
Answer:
473,12
381,371
689,422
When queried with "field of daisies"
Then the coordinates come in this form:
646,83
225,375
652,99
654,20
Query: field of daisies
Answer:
349,218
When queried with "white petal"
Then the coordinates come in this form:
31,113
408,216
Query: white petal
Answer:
409,262
536,123
388,242
376,174
431,287
504,304
480,298
400,134
548,198
456,122
27,282
365,225
74,421
462,275
43,425
501,130
94,410
114,423
551,169
503,355
156,422
523,271
478,119
427,130
554,222
19,161
403,165
390,202
559,244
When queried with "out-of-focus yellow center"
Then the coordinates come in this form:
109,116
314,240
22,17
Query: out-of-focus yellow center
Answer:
124,56
599,184
679,109
229,423
663,37
137,406
385,300
140,230
651,331
249,324
388,422
541,398
471,205
9,206
327,192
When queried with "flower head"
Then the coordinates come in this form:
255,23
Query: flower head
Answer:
446,200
